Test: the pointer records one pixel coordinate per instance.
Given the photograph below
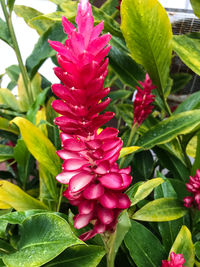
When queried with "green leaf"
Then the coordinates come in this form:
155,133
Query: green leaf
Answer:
6,152
26,12
117,237
5,248
141,244
43,237
4,33
145,189
196,7
109,6
147,31
45,152
128,150
197,249
7,98
79,256
188,49
42,49
180,80
13,72
170,128
15,197
126,68
10,4
161,210
191,102
183,245
143,163
126,112
5,125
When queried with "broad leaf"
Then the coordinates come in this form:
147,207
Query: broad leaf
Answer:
43,237
5,125
128,150
147,31
126,68
143,163
144,247
119,95
15,197
4,33
197,249
79,256
188,49
180,80
13,72
196,7
7,98
10,4
5,248
183,245
161,210
39,145
26,12
109,6
6,152
191,102
169,128
145,189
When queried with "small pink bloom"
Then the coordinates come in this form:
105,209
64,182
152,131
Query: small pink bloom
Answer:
143,99
176,260
95,182
119,5
194,187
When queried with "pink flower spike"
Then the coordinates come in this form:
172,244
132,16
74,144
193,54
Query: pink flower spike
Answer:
143,99
86,207
112,181
105,215
108,200
176,260
64,177
194,187
93,191
78,182
81,220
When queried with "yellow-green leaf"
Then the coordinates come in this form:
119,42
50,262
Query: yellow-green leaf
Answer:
128,150
183,245
148,34
7,98
191,147
15,197
6,152
4,206
161,210
39,145
196,7
145,189
6,126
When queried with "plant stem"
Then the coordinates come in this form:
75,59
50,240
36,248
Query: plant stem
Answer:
196,164
16,49
133,131
60,198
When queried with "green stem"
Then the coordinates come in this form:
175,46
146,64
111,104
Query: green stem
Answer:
196,164
133,131
16,49
60,198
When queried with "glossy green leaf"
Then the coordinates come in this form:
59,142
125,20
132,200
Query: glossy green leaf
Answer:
14,196
45,152
170,128
109,6
197,249
128,150
144,247
147,31
5,125
43,237
126,112
13,72
117,237
119,95
26,12
191,102
79,256
4,33
183,245
7,98
161,210
145,189
6,152
126,68
42,49
143,163
196,7
188,49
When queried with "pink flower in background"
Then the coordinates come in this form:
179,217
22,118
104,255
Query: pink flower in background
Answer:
119,5
143,100
176,260
194,187
95,182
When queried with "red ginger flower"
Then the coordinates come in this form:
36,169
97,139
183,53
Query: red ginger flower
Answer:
194,187
95,182
176,260
143,99
119,5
